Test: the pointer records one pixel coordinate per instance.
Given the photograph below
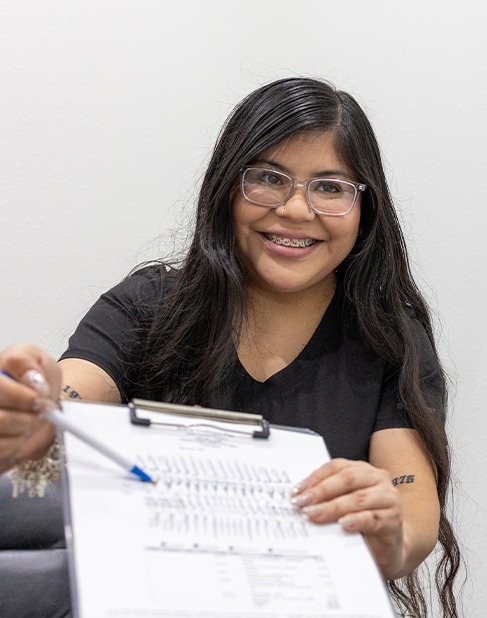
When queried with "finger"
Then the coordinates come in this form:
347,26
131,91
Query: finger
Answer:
341,479
33,367
38,442
37,381
377,521
374,498
32,444
14,423
19,358
320,474
16,396
328,470
9,450
16,429
31,378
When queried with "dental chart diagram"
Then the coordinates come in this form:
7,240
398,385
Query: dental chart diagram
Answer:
216,536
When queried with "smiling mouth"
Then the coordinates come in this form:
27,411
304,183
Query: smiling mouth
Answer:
290,242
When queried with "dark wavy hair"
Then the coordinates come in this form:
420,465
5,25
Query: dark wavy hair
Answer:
192,342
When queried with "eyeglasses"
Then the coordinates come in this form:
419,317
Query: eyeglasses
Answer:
325,196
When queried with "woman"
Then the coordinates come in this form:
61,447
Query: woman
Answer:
295,300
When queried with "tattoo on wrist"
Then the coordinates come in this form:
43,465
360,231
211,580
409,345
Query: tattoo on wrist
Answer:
401,480
71,393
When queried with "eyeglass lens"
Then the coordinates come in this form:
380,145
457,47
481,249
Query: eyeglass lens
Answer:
272,188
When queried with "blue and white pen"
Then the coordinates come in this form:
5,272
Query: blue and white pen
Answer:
51,413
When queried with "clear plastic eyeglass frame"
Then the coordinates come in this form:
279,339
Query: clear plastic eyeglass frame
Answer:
305,184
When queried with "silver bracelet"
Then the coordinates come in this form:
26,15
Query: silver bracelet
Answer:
35,474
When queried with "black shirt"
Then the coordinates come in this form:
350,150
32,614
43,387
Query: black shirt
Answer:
336,386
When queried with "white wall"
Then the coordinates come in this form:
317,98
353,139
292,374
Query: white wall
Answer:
108,109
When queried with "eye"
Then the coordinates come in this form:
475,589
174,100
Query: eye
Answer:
267,177
328,186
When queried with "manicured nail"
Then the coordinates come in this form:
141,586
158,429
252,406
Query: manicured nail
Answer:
300,500
298,487
37,381
347,522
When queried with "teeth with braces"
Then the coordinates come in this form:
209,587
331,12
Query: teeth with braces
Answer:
290,242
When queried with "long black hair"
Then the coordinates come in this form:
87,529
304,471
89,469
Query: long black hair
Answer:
192,341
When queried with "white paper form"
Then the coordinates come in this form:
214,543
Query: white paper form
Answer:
216,537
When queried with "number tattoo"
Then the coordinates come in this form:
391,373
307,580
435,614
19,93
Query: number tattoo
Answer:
72,394
406,478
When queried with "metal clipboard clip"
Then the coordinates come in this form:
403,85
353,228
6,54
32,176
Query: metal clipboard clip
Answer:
201,414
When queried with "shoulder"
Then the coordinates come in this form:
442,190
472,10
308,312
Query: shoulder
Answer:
143,287
409,335
407,326
425,345
147,278
429,369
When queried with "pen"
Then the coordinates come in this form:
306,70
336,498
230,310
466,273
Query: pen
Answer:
54,416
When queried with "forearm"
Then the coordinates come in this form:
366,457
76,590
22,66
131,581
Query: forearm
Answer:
400,453
420,531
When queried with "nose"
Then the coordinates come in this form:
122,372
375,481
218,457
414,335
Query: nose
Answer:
296,206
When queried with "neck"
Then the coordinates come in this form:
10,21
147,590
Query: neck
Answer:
277,326
294,310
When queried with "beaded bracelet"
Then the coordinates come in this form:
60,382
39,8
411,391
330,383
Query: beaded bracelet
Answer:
35,474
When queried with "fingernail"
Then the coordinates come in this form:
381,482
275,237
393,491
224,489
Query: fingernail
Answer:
347,522
37,381
300,500
298,487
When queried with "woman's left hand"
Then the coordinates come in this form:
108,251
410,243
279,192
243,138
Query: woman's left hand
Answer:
362,499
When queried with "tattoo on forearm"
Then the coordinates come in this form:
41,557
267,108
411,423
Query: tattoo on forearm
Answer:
406,478
71,393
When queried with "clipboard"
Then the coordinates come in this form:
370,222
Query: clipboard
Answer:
206,418
217,536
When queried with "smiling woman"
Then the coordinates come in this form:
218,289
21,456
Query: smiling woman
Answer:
286,245
295,300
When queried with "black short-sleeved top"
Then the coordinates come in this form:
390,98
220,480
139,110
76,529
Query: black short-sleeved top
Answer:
336,386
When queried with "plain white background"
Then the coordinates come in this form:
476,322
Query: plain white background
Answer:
108,112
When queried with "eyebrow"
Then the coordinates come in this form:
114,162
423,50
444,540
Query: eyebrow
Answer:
318,174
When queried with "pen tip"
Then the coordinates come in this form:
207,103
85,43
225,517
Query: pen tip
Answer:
143,476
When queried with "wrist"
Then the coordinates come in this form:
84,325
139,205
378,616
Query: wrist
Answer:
390,553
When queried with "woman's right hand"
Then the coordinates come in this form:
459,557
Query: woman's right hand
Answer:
23,435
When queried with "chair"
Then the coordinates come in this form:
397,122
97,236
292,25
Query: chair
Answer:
33,556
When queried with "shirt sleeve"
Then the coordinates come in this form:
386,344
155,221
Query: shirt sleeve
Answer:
390,413
113,333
